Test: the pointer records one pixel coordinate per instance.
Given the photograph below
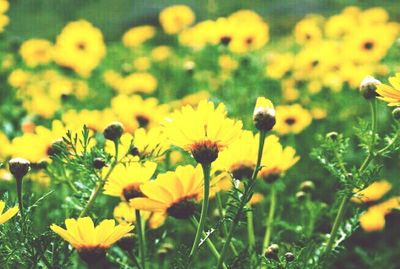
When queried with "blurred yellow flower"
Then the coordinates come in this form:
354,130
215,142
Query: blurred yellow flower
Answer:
138,35
176,18
374,218
7,215
373,192
160,53
36,52
80,46
292,119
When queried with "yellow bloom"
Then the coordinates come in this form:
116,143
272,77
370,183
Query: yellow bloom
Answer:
256,198
125,180
390,95
176,18
373,192
307,31
91,242
204,131
136,83
18,78
227,63
124,213
135,112
80,46
292,119
173,193
36,52
95,120
279,65
160,53
6,216
138,35
374,218
141,63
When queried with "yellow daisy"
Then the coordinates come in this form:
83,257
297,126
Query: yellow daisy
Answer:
203,131
124,213
373,192
176,18
292,119
36,52
91,242
390,94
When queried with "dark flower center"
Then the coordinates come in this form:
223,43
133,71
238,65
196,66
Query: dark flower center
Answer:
131,192
92,255
368,45
182,209
225,40
81,45
249,40
290,121
242,171
205,151
142,120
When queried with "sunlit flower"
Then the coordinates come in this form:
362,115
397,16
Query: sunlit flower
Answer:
80,46
373,192
125,214
292,119
126,179
203,131
36,52
176,18
138,35
7,215
173,193
91,242
160,53
374,218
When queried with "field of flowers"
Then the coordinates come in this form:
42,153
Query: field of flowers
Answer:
202,142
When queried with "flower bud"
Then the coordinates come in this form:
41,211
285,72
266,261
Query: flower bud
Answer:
368,87
113,131
396,113
98,163
19,167
332,135
272,252
264,114
301,195
307,186
289,257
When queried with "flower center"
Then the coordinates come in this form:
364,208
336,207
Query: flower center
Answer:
242,170
142,120
81,45
182,209
92,255
132,191
205,152
368,45
290,121
225,40
270,175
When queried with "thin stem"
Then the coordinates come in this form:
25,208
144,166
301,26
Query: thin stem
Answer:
391,143
135,261
346,198
101,183
224,227
19,194
142,243
270,219
246,197
336,225
250,227
209,243
204,208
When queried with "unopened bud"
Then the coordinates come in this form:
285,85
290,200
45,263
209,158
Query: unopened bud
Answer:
289,257
368,87
301,195
307,186
272,252
264,114
332,135
19,167
99,163
113,131
396,113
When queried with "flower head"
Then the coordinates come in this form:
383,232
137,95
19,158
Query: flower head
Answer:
176,18
204,131
91,242
6,216
292,119
373,192
264,114
390,94
173,193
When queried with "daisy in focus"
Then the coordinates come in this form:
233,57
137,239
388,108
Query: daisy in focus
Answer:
8,214
390,94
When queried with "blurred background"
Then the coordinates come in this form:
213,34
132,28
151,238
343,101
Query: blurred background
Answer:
45,19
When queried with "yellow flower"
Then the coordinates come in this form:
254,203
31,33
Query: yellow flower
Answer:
373,192
4,20
125,214
135,112
36,52
80,46
264,114
18,78
292,119
279,65
176,18
95,120
138,35
91,242
227,63
126,179
173,193
6,216
390,95
204,131
160,53
136,83
256,198
142,63
307,31
5,146
374,218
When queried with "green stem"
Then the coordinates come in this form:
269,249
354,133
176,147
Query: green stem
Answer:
100,184
336,225
391,143
250,227
142,243
19,194
209,243
270,219
204,208
224,227
246,197
346,198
